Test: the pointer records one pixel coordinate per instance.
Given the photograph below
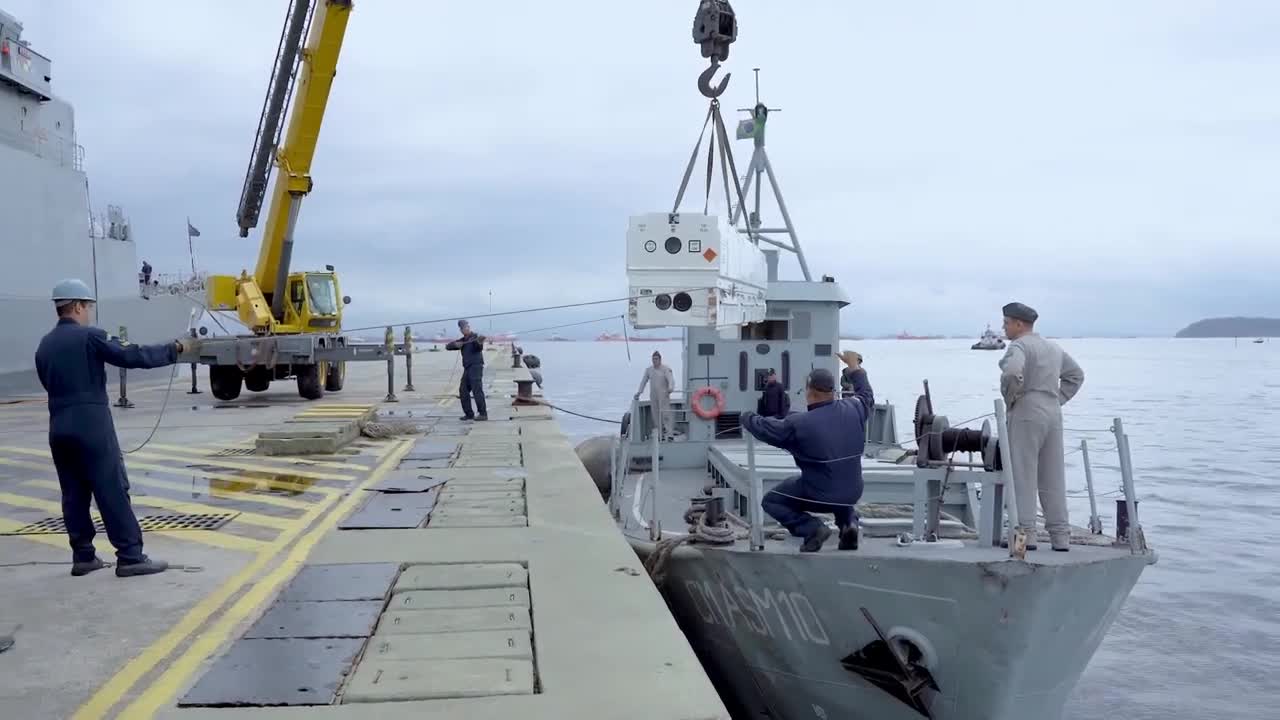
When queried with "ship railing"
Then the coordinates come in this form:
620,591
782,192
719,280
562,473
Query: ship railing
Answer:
999,504
998,512
172,284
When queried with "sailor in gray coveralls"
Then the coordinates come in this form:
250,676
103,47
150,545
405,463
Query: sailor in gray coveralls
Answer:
1037,377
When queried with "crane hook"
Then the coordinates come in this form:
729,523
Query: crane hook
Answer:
704,81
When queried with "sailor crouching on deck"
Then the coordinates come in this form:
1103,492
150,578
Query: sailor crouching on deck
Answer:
826,443
1037,377
71,363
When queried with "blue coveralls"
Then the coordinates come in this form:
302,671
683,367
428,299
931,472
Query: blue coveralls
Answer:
829,430
82,436
472,373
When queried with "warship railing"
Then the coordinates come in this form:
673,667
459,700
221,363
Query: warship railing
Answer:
755,494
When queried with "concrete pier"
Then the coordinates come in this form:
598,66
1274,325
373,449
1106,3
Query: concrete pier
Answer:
469,570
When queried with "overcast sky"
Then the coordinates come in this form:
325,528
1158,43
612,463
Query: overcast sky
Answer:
1114,165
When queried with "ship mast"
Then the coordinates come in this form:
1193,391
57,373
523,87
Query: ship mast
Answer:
756,170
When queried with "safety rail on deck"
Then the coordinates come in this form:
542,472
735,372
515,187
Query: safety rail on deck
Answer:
998,511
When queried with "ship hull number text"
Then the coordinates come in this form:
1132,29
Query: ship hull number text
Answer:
765,612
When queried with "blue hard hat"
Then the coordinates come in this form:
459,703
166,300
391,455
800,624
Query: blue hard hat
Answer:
72,289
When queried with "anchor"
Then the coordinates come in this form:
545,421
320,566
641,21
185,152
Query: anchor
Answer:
883,664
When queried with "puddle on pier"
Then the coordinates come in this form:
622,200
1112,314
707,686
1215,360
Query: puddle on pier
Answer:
218,483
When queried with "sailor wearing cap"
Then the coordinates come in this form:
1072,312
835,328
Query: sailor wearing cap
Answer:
1037,377
471,346
826,443
82,437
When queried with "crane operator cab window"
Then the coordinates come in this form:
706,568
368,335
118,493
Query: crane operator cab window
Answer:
324,294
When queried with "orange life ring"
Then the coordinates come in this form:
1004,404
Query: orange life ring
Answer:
703,412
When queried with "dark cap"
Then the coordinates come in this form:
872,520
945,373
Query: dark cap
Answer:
821,380
1018,311
461,323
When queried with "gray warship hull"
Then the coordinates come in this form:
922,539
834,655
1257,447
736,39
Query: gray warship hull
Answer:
49,230
1010,639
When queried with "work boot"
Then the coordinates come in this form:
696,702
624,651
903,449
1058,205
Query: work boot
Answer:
816,539
482,417
1060,542
87,566
467,418
849,538
145,566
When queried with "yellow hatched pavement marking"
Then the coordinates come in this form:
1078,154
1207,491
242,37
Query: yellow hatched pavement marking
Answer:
231,480
189,508
248,466
204,537
282,465
58,541
180,670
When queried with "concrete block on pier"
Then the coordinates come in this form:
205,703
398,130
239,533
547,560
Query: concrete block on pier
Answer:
517,644
449,620
308,438
443,520
381,681
461,576
444,599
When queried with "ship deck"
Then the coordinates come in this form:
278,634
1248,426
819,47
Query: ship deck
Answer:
519,598
885,511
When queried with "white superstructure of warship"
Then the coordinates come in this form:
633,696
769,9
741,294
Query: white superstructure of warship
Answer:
942,611
49,230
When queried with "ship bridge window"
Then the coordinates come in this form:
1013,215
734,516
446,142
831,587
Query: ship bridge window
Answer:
801,325
324,294
767,330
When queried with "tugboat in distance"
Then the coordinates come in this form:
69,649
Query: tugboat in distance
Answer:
989,341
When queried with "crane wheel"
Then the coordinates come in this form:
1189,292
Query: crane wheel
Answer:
224,381
335,376
258,378
311,380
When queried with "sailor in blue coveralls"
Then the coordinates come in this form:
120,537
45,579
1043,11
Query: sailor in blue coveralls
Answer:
82,436
827,444
471,346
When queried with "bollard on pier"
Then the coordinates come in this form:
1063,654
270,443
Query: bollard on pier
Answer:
408,360
123,401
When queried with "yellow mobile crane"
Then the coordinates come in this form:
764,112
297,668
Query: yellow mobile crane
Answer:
296,315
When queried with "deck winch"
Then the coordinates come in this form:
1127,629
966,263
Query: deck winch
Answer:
937,440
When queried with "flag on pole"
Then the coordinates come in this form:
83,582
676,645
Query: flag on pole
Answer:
192,232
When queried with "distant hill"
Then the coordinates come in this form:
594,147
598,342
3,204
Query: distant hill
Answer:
1232,327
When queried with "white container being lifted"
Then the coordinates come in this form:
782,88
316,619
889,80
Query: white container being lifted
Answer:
693,270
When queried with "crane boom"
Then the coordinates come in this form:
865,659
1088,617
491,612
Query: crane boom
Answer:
314,80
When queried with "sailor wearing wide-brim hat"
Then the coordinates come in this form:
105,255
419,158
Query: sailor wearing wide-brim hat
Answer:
1037,377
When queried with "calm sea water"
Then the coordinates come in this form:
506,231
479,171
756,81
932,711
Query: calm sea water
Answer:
1200,635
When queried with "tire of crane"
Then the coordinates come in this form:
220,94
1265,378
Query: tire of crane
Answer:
703,412
336,376
311,379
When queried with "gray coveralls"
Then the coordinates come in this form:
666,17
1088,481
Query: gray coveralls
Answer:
82,437
660,381
1037,378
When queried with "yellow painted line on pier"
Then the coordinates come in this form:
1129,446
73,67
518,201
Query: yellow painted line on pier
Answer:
250,466
204,537
10,526
228,482
187,508
180,669
277,463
